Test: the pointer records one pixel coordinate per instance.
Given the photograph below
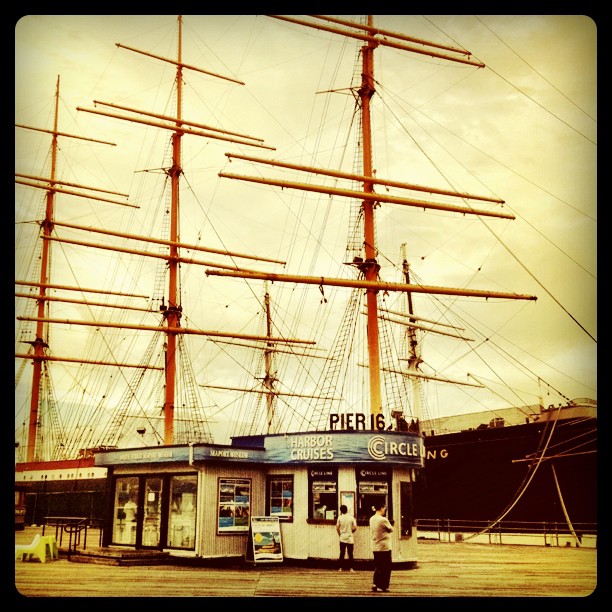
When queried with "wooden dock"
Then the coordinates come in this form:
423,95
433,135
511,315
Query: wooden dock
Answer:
458,569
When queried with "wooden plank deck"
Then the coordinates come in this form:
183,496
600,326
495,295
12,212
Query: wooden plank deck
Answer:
457,569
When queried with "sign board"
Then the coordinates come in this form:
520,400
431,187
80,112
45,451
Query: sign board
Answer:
333,448
266,539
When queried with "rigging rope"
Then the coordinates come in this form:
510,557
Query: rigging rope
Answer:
567,518
524,486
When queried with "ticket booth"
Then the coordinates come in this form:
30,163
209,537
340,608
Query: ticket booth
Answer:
198,500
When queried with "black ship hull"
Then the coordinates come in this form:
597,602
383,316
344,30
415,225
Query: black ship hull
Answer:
514,473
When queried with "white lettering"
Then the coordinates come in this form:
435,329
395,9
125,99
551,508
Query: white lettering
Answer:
311,454
161,454
379,448
229,453
433,454
376,446
310,441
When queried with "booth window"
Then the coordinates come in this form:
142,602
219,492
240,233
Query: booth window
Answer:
234,509
155,511
323,494
372,487
152,517
125,509
182,517
280,497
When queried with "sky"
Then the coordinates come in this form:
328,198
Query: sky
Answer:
523,129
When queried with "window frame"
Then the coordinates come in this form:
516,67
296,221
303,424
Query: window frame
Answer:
381,476
326,475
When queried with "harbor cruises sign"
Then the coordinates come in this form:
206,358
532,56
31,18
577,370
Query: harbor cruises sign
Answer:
342,447
389,447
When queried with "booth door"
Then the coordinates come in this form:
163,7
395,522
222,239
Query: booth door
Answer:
152,512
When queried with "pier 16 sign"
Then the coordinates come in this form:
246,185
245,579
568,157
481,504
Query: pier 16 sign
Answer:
340,447
357,420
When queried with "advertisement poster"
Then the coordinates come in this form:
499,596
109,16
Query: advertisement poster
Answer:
281,497
266,536
234,504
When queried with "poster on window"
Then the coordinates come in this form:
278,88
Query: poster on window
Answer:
266,537
234,504
281,497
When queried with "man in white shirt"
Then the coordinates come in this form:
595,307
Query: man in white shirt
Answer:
346,525
380,532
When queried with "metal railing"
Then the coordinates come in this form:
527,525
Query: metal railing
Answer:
508,532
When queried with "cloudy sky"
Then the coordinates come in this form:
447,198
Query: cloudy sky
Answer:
523,129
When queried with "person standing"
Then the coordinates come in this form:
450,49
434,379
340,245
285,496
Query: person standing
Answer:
380,533
346,525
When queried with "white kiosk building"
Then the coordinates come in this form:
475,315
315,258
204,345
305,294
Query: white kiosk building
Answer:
207,501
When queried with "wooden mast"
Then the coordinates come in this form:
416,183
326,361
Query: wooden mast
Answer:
269,376
172,311
172,314
370,200
414,358
40,342
370,266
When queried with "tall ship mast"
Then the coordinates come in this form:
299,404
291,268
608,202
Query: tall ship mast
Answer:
194,427
51,445
365,258
199,309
